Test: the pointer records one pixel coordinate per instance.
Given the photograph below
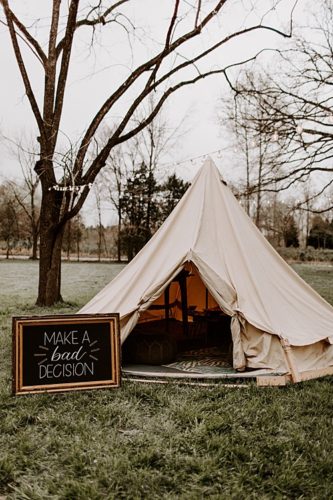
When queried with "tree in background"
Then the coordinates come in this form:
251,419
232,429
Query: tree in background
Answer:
282,222
78,232
172,191
173,63
73,235
101,242
253,142
139,159
321,233
290,231
112,181
233,117
9,224
296,104
26,194
140,210
145,206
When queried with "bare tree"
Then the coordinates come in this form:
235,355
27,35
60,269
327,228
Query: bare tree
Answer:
72,237
146,149
233,122
114,177
253,141
27,196
9,220
168,68
101,242
296,103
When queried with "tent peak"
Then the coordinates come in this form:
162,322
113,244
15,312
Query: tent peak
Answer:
209,168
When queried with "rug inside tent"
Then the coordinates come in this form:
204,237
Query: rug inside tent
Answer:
205,360
151,352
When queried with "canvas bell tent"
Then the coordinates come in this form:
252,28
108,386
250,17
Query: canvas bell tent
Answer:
207,259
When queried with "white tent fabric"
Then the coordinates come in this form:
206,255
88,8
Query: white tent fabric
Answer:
241,270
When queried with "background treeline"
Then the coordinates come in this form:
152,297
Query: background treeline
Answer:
141,208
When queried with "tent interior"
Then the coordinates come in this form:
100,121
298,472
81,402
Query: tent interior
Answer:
183,323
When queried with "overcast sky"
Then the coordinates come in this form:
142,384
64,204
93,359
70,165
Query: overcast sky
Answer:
109,60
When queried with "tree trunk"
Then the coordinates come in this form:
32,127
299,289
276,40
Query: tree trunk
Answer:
34,222
247,156
99,243
119,231
34,244
69,239
258,211
51,235
78,249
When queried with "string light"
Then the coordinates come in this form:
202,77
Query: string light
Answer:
75,189
192,160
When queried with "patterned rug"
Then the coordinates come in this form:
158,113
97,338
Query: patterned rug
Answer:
206,360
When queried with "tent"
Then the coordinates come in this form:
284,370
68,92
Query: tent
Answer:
278,322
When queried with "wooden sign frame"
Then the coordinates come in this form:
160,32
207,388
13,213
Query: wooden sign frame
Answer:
104,331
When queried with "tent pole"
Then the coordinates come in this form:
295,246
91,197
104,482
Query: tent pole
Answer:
295,376
183,292
167,306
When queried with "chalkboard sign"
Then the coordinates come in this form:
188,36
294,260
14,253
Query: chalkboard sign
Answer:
68,352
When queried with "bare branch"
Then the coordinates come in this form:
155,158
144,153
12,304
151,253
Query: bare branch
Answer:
63,74
133,77
28,39
22,68
197,14
50,71
154,84
101,19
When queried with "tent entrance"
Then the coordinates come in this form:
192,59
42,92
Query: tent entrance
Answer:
184,322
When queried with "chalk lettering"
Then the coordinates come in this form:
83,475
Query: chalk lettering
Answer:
66,370
74,340
49,340
63,338
67,356
86,337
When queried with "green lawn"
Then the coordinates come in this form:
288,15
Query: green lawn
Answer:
320,277
158,441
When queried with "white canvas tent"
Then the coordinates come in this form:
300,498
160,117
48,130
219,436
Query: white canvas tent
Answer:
271,307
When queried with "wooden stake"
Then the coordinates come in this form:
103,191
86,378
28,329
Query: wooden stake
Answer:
295,376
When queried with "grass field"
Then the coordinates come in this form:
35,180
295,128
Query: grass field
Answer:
151,441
